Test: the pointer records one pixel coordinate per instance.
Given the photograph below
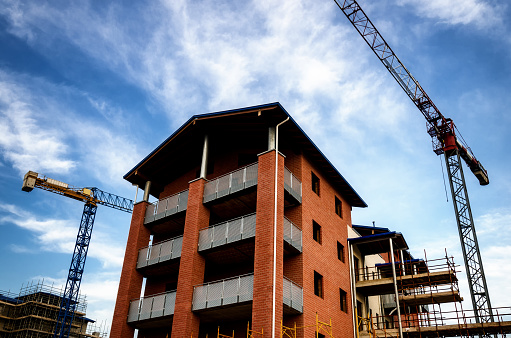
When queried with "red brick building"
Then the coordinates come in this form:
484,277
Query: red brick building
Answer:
206,248
250,228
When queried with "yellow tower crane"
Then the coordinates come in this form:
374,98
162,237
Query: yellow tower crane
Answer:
92,197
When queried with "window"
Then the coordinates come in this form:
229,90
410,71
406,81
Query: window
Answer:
316,232
340,252
320,335
338,207
318,284
344,305
315,183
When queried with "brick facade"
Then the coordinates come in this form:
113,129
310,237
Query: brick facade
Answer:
130,283
236,256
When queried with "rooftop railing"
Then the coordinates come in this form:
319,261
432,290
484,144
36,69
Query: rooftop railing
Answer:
166,207
224,292
292,185
152,307
293,295
160,252
292,235
227,232
237,180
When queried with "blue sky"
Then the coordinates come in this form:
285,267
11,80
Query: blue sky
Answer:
87,89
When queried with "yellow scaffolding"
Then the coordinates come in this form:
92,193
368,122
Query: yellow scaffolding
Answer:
252,333
290,332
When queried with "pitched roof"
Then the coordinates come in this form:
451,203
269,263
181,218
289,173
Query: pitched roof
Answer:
248,121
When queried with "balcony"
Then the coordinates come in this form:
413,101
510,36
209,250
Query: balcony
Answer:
151,311
293,297
228,297
227,232
160,258
231,183
292,188
167,210
292,237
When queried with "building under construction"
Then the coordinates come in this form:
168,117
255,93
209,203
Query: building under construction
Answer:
32,313
251,236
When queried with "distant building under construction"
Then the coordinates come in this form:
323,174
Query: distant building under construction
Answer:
251,236
33,314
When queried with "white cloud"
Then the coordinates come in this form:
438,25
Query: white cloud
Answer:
57,235
480,13
23,140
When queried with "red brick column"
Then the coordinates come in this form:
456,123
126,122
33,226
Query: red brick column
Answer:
130,283
262,306
191,268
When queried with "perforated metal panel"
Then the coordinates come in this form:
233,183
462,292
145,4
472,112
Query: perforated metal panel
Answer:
227,232
133,310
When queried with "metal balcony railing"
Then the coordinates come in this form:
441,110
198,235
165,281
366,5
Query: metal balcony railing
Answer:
152,307
230,183
160,252
227,232
292,234
224,292
292,185
293,295
166,206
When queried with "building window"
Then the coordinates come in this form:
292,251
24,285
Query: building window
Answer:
338,207
315,183
340,252
320,335
316,232
344,305
318,284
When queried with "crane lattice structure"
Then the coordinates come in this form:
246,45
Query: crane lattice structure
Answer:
443,133
92,197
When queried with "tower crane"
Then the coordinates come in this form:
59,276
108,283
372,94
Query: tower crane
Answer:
445,141
92,197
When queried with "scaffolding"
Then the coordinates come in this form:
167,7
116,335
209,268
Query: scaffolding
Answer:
32,313
423,285
322,328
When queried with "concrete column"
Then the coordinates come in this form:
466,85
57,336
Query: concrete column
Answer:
262,305
130,284
191,268
272,138
147,190
205,154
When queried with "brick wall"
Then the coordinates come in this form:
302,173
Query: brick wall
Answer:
322,258
191,268
131,280
262,305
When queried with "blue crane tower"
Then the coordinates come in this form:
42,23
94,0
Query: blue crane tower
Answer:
92,197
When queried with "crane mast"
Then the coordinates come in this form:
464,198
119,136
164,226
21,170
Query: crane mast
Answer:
443,134
92,198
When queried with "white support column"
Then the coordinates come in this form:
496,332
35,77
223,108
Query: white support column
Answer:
204,162
147,189
353,291
272,138
395,287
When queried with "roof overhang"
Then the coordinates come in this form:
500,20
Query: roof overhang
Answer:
379,243
245,118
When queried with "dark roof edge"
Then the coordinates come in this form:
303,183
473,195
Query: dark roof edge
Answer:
368,227
267,105
190,120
